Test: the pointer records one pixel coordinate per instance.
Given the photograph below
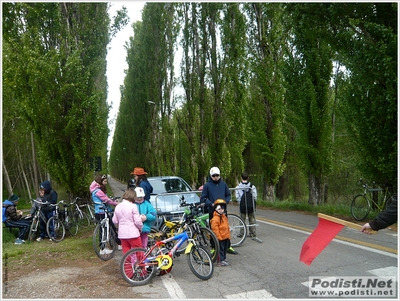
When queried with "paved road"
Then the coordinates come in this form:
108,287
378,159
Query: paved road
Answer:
272,269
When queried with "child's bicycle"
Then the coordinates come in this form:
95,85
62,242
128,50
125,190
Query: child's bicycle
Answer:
139,265
363,203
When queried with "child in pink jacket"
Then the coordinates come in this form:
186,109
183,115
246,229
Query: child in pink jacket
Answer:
129,222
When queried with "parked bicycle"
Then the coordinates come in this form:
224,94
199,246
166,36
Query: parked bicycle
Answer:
363,203
36,217
139,265
104,236
81,216
190,223
62,220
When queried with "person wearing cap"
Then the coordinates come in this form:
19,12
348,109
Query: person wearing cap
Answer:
12,218
215,188
220,226
147,214
141,181
127,218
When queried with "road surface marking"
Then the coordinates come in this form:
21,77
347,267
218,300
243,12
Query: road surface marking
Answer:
173,288
260,294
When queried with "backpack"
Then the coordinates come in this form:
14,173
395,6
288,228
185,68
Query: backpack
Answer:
246,201
4,214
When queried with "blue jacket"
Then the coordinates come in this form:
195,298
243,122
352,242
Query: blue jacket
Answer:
148,189
214,190
147,209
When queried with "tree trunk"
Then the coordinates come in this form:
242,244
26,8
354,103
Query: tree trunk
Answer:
7,179
269,192
315,190
35,172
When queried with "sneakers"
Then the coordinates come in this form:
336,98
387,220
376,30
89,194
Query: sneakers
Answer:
119,247
19,241
105,251
223,263
39,239
232,251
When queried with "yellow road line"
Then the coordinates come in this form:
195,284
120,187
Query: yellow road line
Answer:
355,241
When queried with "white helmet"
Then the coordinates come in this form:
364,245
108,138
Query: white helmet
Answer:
139,192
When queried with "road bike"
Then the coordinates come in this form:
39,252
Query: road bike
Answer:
104,236
139,265
364,202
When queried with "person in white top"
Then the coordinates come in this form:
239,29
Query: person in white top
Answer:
127,219
247,197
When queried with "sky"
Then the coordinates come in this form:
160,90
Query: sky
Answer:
116,58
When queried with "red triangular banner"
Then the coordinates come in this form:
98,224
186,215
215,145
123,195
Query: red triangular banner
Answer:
319,239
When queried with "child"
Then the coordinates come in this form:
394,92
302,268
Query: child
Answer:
147,213
127,217
220,226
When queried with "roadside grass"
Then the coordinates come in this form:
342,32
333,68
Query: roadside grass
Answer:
47,254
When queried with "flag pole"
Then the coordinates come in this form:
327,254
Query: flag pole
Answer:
342,222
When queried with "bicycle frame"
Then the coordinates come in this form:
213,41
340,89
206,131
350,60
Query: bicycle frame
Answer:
160,258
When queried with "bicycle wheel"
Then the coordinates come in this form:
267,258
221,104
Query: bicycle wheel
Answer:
360,207
200,263
72,224
238,229
54,224
207,239
389,201
33,229
135,269
82,219
104,244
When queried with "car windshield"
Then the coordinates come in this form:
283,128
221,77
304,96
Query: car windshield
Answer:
169,186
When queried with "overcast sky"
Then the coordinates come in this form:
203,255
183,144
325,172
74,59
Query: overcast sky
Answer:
116,58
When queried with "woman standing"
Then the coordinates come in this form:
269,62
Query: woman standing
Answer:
141,181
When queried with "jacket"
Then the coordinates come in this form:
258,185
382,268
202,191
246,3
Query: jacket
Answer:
127,217
239,192
220,226
50,196
10,212
385,218
100,198
214,190
148,189
147,209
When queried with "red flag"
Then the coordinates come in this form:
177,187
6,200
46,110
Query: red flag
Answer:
319,239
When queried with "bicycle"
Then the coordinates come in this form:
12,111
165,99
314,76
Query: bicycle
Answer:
139,265
33,229
362,204
81,217
61,221
104,237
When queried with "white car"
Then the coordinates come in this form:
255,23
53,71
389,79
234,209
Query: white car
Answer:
168,193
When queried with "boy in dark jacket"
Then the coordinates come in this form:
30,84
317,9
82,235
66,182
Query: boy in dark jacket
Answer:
13,218
48,196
